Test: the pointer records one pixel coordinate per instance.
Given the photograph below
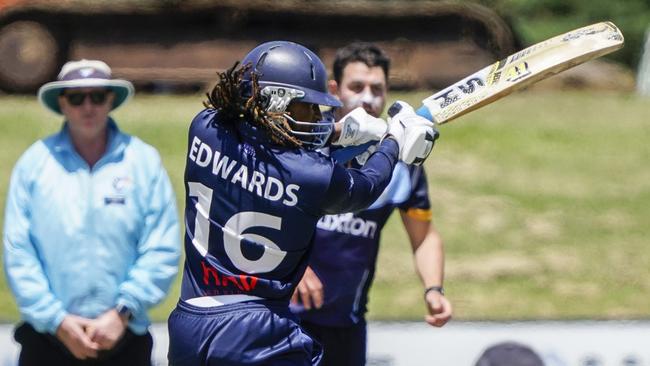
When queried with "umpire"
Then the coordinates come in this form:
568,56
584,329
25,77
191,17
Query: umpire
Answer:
91,237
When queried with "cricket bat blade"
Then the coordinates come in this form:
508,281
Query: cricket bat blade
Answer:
521,69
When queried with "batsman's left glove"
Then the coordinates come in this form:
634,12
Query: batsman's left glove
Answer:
358,127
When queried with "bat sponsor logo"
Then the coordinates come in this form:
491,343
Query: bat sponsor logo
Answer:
517,72
521,54
456,92
471,85
499,64
447,97
495,74
592,30
615,37
494,78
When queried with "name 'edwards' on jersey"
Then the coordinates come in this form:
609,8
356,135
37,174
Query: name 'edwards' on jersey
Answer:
251,210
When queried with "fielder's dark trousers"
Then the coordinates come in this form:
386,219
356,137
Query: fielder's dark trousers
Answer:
46,349
342,346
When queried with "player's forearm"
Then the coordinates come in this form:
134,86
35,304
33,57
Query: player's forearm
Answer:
430,260
355,189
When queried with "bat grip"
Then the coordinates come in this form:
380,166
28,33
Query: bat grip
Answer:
424,112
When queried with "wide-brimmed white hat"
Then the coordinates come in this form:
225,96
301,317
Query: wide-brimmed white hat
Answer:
84,74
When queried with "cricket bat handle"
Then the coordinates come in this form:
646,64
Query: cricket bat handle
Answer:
424,112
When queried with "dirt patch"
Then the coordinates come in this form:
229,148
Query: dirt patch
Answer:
493,266
507,264
543,227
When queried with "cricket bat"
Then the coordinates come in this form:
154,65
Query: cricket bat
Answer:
515,72
520,70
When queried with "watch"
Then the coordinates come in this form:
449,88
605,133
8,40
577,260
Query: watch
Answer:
124,311
439,289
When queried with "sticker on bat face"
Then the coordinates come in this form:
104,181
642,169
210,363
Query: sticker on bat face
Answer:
493,78
471,85
455,93
517,72
597,28
521,54
446,98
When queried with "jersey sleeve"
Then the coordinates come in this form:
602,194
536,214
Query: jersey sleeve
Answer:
355,189
24,270
418,205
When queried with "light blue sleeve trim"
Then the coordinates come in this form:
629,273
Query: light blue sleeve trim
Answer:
346,154
398,190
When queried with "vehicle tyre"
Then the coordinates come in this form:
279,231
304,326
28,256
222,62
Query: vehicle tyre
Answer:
30,55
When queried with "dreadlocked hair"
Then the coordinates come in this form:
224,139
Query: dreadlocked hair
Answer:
233,107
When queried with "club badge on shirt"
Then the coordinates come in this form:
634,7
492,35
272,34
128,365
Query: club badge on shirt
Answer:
120,186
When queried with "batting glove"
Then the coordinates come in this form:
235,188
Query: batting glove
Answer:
415,135
358,127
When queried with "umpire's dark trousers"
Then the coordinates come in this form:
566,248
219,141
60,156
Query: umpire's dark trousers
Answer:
46,349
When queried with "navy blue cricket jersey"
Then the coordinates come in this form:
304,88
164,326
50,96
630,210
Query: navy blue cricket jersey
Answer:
346,246
252,207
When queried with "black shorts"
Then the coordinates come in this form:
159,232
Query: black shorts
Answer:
45,349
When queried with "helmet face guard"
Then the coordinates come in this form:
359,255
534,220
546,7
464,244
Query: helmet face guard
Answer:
287,72
316,135
313,135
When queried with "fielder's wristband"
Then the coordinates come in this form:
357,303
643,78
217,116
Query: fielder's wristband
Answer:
439,289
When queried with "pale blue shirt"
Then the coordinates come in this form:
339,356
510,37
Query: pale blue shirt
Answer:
81,241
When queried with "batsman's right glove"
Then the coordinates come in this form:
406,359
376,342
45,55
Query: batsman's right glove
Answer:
415,135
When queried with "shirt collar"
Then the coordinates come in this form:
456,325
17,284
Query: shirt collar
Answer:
115,144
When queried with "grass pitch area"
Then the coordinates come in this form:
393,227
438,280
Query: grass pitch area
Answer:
542,199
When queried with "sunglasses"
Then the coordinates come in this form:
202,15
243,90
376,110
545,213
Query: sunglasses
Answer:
77,99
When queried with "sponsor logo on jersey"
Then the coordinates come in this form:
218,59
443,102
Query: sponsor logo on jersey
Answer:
222,284
120,186
348,224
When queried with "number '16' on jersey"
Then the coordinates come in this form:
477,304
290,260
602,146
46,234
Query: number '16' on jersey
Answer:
251,211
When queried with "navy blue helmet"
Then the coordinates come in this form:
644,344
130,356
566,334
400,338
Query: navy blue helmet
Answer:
286,72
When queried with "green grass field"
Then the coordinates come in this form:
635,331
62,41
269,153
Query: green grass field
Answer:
543,200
